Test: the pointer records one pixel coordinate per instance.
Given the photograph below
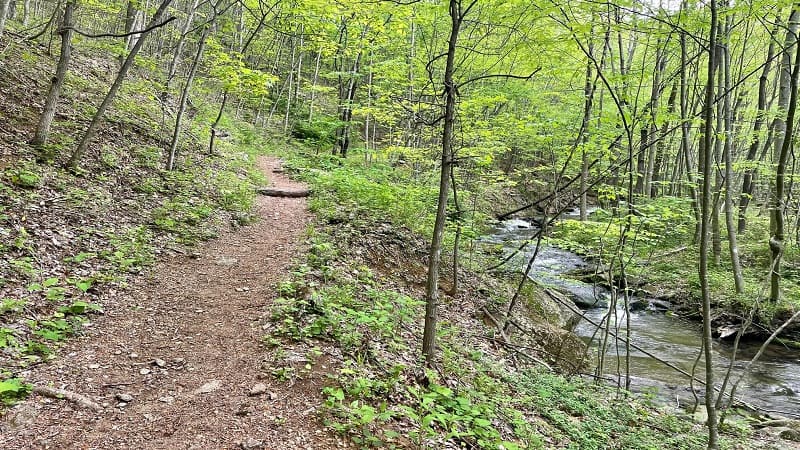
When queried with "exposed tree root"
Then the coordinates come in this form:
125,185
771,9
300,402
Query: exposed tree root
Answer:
291,193
61,394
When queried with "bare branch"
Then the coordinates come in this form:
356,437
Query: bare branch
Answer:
500,75
112,35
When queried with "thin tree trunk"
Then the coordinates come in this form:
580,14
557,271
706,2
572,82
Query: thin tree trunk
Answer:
705,200
649,147
88,135
661,145
216,122
435,255
778,202
369,106
131,14
290,91
176,56
748,183
314,85
342,144
733,245
685,132
588,93
716,233
784,88
48,113
26,12
3,14
457,241
173,147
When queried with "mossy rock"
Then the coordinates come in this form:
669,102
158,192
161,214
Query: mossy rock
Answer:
544,307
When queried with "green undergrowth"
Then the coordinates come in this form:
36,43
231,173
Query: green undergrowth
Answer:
357,191
661,259
380,395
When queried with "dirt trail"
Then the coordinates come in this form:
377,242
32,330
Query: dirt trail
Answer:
192,326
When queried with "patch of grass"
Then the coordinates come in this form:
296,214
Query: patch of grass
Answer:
24,178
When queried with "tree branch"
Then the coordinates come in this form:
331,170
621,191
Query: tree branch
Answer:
499,75
112,35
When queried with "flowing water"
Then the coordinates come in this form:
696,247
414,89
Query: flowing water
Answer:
772,383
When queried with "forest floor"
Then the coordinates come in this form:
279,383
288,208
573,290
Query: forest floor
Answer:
176,362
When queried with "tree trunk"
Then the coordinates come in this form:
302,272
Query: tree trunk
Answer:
435,255
3,14
342,144
48,113
649,146
716,232
588,93
131,14
290,84
173,146
176,57
777,203
216,123
26,12
784,88
314,85
88,135
727,150
748,182
705,201
661,145
685,133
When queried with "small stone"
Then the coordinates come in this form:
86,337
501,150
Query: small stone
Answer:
790,435
94,366
121,405
211,386
133,355
258,389
160,362
700,416
144,371
273,396
127,398
168,399
118,352
225,261
251,444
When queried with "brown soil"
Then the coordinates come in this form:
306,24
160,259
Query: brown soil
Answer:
198,315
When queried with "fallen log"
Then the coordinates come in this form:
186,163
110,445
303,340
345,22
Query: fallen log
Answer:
292,193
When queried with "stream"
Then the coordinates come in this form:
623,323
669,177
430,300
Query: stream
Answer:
771,384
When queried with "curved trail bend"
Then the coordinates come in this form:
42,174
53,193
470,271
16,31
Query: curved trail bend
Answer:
183,343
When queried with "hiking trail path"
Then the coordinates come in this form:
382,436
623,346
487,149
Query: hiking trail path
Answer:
183,344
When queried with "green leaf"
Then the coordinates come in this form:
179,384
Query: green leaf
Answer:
84,285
